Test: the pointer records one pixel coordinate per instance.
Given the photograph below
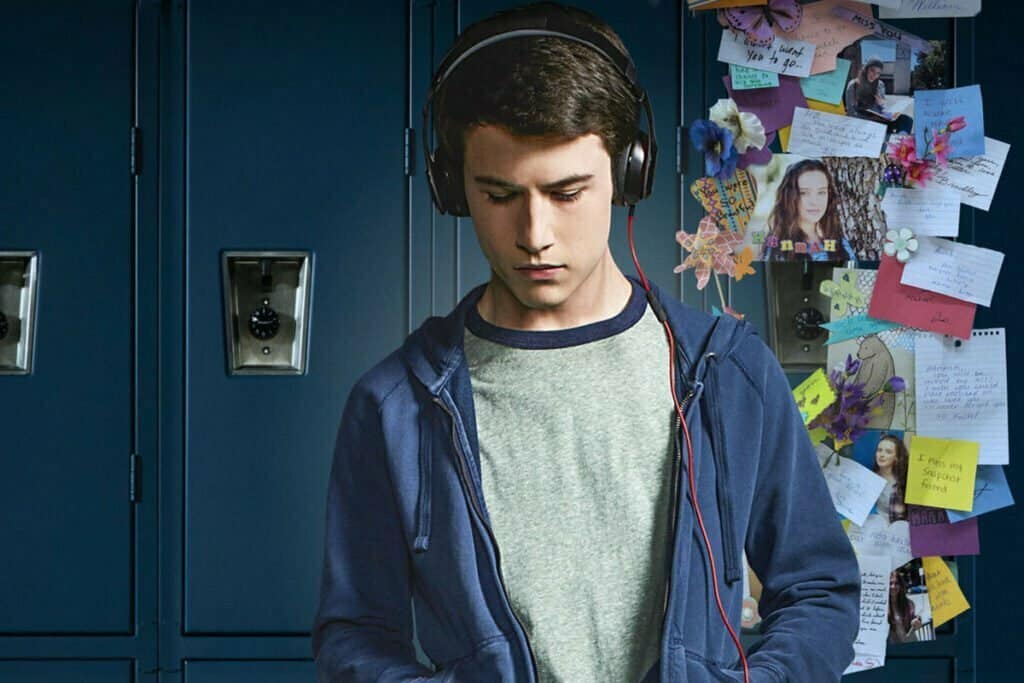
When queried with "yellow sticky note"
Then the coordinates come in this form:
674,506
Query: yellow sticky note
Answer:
784,137
817,434
846,524
818,105
944,594
814,395
941,473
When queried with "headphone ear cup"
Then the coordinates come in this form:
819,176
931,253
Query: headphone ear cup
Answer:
633,178
449,194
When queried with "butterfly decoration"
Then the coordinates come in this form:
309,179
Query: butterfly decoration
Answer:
743,266
758,22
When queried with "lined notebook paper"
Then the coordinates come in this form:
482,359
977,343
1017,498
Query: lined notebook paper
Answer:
961,391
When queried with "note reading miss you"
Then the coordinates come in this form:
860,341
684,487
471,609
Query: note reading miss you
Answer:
934,212
817,134
789,57
959,270
961,391
941,472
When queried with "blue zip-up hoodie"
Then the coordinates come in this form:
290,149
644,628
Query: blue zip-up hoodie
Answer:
407,525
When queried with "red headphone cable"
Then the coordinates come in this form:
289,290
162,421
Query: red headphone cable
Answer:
689,451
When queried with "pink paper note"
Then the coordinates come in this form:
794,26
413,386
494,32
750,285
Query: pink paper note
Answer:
774,106
915,307
932,534
829,32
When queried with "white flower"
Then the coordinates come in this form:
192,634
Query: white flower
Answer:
747,129
900,244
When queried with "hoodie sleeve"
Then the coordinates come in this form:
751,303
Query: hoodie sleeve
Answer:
810,604
363,625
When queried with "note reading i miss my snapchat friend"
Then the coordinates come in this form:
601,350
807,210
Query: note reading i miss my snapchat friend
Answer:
941,472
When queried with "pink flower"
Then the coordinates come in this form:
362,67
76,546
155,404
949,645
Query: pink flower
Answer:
959,123
941,147
920,173
902,150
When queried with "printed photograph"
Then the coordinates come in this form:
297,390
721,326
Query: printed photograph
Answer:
887,454
910,612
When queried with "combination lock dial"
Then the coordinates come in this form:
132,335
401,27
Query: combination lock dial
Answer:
808,323
3,326
263,322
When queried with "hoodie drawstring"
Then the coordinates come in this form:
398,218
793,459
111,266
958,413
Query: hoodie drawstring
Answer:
423,507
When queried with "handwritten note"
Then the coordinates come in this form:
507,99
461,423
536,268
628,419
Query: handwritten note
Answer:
745,78
827,32
855,326
916,307
817,134
931,533
962,391
941,472
959,270
790,57
869,647
854,488
991,492
975,178
944,594
882,29
813,395
935,109
911,9
828,86
926,211
878,537
774,106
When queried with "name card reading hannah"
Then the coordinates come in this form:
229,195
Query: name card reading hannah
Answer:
817,134
788,57
962,271
934,212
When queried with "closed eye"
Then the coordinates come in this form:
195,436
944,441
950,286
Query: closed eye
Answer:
558,196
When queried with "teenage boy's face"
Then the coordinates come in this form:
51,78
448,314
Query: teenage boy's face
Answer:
539,202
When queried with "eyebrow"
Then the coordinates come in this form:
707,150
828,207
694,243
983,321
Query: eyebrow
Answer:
558,184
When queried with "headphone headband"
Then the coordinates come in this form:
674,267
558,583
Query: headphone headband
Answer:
634,170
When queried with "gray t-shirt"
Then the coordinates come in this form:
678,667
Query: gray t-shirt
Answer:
576,433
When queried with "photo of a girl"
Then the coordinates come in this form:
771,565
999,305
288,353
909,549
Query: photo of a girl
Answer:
804,223
890,463
865,98
904,621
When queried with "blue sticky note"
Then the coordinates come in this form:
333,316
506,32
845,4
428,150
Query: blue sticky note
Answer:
935,109
991,492
856,326
827,86
745,78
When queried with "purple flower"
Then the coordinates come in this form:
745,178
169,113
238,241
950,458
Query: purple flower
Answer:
852,366
895,385
716,144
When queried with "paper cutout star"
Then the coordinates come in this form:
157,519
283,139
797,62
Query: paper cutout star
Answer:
710,249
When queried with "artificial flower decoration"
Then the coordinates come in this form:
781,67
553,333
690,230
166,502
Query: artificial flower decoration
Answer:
902,151
716,144
901,244
710,250
747,130
937,143
848,417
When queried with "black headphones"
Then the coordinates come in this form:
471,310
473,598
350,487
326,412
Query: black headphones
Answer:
634,169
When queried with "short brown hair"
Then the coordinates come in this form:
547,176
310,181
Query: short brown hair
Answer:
537,86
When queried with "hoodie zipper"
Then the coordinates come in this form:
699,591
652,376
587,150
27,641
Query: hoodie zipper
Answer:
676,472
464,479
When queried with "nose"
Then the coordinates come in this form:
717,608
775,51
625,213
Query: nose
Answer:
534,232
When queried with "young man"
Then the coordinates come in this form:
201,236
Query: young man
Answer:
517,471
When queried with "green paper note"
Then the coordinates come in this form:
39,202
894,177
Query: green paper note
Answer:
827,86
745,78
